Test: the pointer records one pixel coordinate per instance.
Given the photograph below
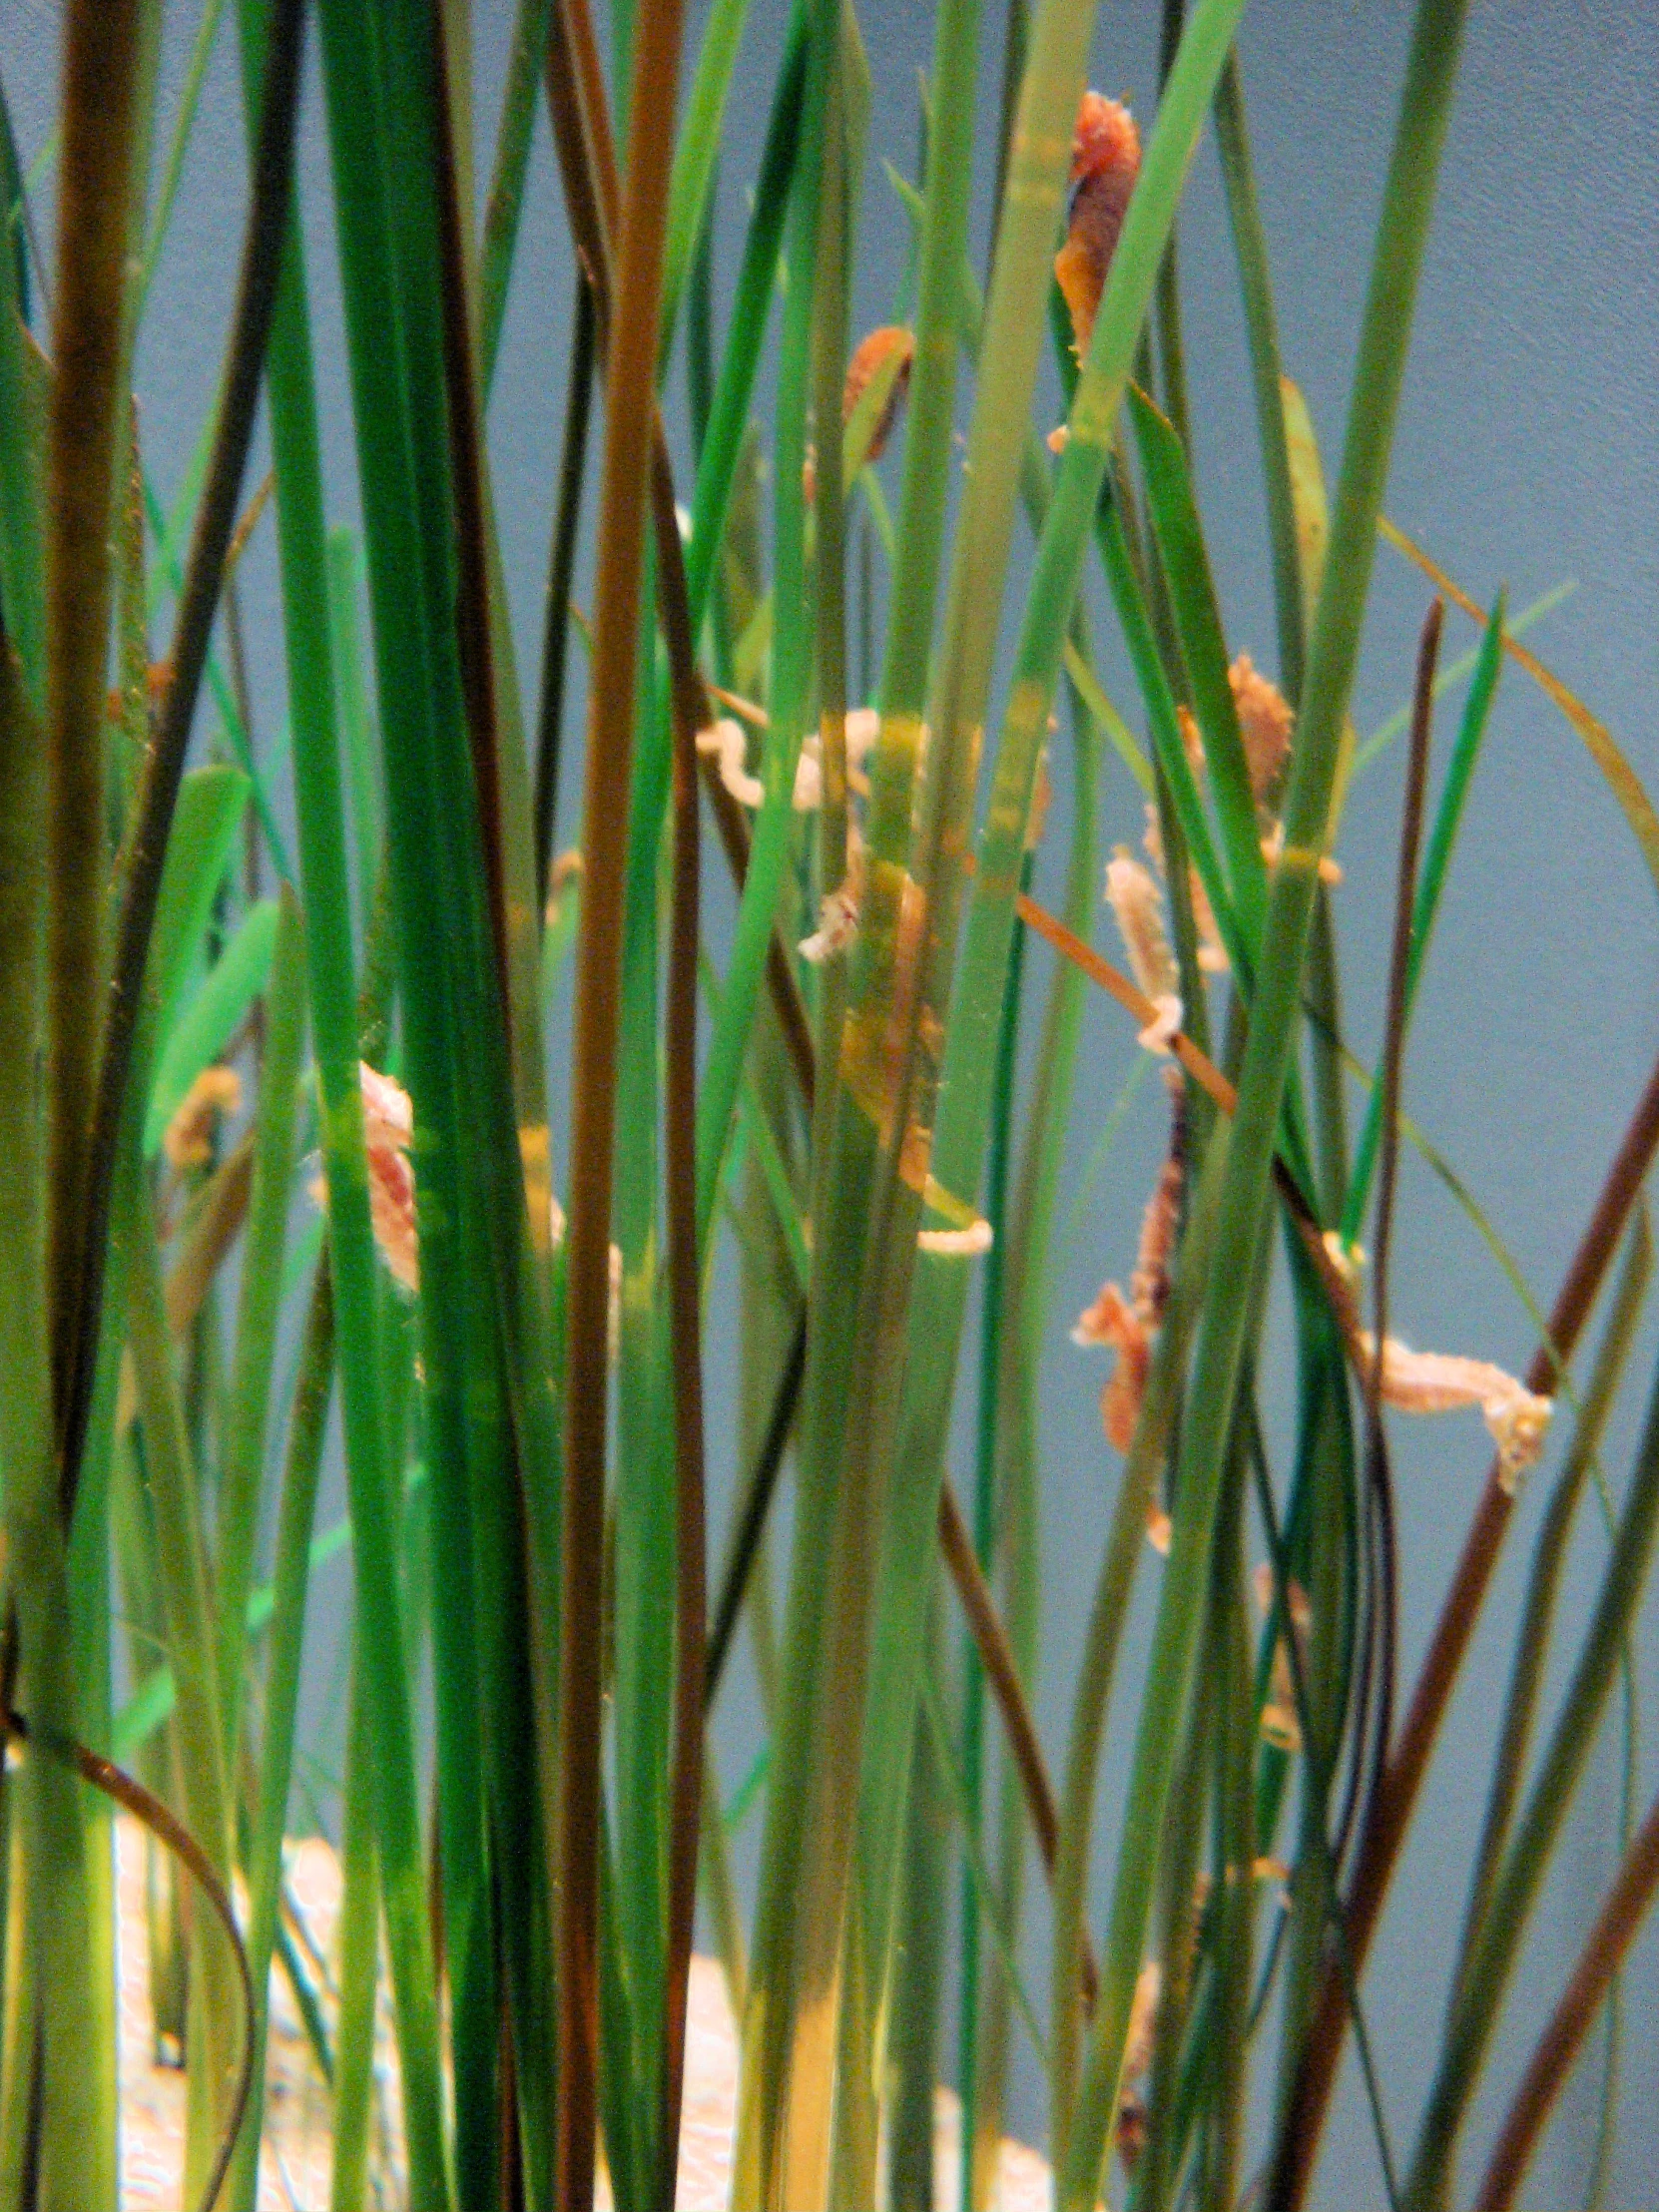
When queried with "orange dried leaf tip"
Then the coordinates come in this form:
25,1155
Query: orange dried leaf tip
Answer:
1516,1419
1105,160
1111,1321
889,350
187,1138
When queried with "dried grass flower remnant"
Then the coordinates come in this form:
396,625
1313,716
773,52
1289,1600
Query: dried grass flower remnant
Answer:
1130,2130
1105,162
1517,1420
1265,721
1138,908
388,1129
1128,1326
187,1140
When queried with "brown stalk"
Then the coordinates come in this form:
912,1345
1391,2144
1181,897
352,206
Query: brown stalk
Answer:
690,1535
1002,1674
1391,1808
629,412
95,173
1558,2047
561,567
192,629
586,165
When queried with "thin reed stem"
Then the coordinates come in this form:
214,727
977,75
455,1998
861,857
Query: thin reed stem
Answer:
97,162
630,403
268,217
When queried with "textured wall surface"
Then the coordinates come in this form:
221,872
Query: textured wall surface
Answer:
1527,456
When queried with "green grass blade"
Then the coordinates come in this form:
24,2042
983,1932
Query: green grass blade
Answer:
1456,672
1261,329
302,545
58,1895
356,722
207,1025
200,54
1192,598
1427,906
358,1959
1407,203
988,1423
307,1423
206,823
512,159
696,152
216,2005
23,382
797,1932
243,1460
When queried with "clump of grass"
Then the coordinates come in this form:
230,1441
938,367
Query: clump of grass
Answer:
840,1083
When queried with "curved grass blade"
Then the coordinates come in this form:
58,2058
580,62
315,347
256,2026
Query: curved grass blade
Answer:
1447,817
1619,777
242,1457
210,1022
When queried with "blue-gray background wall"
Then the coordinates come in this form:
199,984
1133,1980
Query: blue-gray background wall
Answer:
1526,456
